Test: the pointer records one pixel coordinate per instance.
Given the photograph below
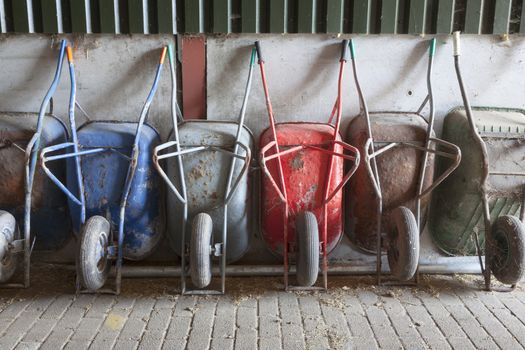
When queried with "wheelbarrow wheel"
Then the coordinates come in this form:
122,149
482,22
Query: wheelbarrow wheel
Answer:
8,233
403,250
507,250
93,258
200,250
307,237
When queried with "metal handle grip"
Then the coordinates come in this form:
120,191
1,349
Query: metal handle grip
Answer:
259,51
457,43
344,51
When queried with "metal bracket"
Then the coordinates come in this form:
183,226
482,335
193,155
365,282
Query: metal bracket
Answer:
217,249
17,246
112,251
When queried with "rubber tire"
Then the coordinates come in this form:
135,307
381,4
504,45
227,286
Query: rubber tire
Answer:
93,276
200,250
8,233
307,237
507,249
403,250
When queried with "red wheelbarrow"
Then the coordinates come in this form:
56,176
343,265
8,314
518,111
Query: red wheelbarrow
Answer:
302,215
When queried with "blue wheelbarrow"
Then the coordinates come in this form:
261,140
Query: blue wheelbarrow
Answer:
209,164
113,191
26,200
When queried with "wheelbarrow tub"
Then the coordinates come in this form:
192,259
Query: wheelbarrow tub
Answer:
206,173
457,210
104,176
398,170
50,223
305,174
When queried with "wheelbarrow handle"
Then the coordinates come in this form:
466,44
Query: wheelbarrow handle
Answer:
259,51
457,43
344,51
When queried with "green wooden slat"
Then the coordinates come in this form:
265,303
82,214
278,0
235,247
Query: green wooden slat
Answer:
221,16
166,18
80,16
334,16
108,12
473,16
194,16
306,11
137,17
522,20
502,17
445,17
278,16
417,16
389,12
361,16
250,16
22,18
52,16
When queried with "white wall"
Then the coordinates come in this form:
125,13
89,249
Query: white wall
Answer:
302,73
114,75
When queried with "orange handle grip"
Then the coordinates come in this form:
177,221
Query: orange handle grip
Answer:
69,52
163,55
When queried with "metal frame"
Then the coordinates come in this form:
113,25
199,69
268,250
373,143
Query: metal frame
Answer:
327,148
31,154
114,250
484,187
372,153
218,249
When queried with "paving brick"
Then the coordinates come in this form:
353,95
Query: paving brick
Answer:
57,339
40,330
27,346
126,345
246,324
291,322
202,326
142,308
384,334
77,345
490,323
101,306
357,321
315,329
225,324
504,315
365,318
402,323
58,307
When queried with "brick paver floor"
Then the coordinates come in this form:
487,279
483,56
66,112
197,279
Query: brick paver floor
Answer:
444,312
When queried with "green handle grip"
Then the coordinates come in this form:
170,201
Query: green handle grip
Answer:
170,54
352,49
432,48
252,59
